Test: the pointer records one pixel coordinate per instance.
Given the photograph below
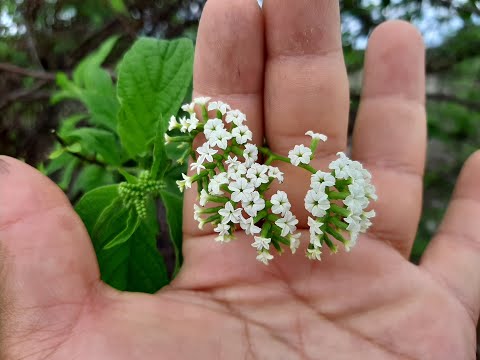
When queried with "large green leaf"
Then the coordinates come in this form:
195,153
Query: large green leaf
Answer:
173,203
133,265
99,141
153,79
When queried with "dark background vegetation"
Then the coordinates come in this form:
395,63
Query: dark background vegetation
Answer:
39,38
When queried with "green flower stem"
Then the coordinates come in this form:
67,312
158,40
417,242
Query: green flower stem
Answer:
212,218
212,210
277,246
272,217
224,187
219,115
262,214
338,195
339,224
204,113
237,151
217,199
339,210
266,229
180,139
308,167
280,239
336,234
313,147
330,244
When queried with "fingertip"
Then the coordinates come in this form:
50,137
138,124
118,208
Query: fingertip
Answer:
395,62
468,182
229,50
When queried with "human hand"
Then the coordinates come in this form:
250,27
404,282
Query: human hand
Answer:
368,304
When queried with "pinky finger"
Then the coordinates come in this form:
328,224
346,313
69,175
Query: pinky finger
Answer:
453,257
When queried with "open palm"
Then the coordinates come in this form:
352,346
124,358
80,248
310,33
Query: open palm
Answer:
283,66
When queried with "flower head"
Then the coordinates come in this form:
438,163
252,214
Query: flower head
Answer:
300,155
317,136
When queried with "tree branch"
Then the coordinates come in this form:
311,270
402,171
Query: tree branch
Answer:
31,94
41,75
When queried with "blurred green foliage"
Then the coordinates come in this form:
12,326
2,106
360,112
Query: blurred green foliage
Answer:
42,42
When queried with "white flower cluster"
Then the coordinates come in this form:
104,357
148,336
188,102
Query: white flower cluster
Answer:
232,185
350,185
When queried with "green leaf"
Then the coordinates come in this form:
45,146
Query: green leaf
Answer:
67,174
135,264
160,158
56,153
153,79
133,222
173,203
100,142
118,6
95,59
68,124
91,177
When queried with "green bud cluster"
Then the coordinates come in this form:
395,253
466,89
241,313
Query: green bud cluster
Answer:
136,194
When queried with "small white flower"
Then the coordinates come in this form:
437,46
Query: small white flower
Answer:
201,100
241,190
313,254
242,134
216,182
230,214
235,116
173,124
341,166
190,108
294,242
232,161
317,136
206,153
354,223
300,154
357,200
249,227
280,203
317,203
212,126
203,197
220,138
287,223
197,166
168,139
274,172
185,183
366,223
250,154
315,226
257,174
192,122
220,106
183,124
236,171
261,243
264,257
253,203
222,229
321,180
352,241
197,212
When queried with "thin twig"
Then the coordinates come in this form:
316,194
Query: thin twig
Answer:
42,75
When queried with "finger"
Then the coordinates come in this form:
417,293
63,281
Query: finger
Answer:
228,66
390,131
453,257
306,85
46,258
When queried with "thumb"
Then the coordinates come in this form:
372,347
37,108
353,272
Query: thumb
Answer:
47,264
